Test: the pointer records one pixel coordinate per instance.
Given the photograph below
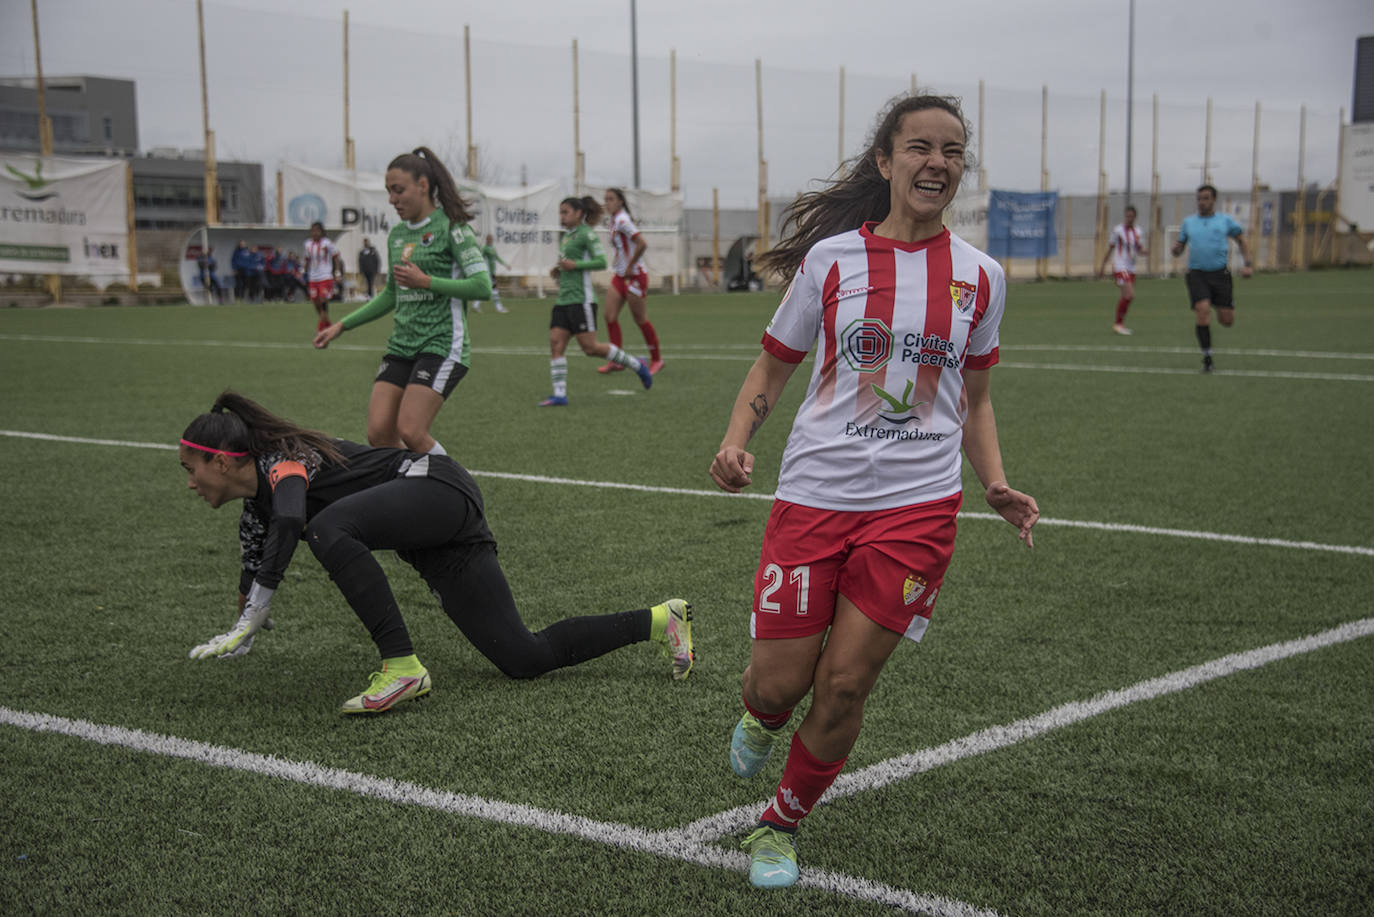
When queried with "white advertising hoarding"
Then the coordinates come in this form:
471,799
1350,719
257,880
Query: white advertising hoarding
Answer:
64,216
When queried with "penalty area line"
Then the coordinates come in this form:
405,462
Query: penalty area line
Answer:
994,738
668,844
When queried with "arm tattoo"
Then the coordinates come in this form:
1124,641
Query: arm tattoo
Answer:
760,408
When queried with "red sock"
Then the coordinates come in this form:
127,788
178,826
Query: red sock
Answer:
804,780
771,720
650,338
1121,308
613,331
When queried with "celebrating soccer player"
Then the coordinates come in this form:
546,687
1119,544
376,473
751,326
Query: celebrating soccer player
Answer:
905,316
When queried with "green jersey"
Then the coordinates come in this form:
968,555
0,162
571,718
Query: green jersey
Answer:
433,320
489,253
583,248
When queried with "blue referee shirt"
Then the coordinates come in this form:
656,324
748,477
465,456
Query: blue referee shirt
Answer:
1208,240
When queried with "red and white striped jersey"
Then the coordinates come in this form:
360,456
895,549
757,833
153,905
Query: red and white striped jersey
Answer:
623,232
319,259
894,325
1125,246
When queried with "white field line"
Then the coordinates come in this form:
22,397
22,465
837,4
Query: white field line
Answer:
669,844
691,492
690,351
694,843
904,767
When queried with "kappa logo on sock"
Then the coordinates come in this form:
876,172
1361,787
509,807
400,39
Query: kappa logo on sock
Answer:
791,800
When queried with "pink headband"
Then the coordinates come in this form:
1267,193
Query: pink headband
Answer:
187,442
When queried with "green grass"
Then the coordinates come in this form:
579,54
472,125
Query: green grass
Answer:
1249,794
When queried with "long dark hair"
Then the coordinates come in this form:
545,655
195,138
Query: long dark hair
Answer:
443,191
588,206
858,193
624,204
238,424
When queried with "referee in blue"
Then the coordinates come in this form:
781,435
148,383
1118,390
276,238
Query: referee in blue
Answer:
1207,236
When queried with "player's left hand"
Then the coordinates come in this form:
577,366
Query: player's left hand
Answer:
1017,508
1246,271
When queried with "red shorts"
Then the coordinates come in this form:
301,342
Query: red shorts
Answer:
321,290
634,285
1123,277
889,563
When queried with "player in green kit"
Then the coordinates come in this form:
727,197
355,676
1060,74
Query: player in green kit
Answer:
492,258
574,312
436,270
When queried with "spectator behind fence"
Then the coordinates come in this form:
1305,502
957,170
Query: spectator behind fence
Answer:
241,262
208,281
369,263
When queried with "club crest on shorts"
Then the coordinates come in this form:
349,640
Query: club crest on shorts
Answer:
963,294
913,589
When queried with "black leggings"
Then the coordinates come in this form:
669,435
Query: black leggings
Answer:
443,535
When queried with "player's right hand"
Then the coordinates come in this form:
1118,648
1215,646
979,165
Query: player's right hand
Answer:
327,334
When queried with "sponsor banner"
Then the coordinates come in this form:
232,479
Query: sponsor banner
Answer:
522,221
64,216
1357,175
967,218
1020,224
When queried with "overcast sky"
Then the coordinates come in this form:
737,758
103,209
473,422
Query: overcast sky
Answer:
275,81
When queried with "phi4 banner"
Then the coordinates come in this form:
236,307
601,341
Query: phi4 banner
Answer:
522,221
64,216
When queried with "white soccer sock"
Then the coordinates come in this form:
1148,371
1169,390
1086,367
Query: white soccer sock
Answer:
558,369
622,358
437,449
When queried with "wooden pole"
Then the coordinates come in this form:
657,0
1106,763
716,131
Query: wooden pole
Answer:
676,177
1156,212
211,169
1255,188
1068,241
715,237
467,80
1041,265
982,167
52,281
1100,233
1207,148
1300,210
577,140
349,162
763,163
839,162
131,242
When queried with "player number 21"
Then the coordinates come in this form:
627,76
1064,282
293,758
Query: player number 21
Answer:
800,577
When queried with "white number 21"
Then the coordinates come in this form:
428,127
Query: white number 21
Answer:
800,577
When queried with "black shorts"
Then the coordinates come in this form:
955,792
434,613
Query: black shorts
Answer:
1210,285
577,318
441,374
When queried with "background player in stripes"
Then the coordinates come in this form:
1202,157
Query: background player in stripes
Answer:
347,501
574,311
1125,245
322,267
905,317
436,270
629,280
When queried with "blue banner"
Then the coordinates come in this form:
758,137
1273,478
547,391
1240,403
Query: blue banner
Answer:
1021,224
